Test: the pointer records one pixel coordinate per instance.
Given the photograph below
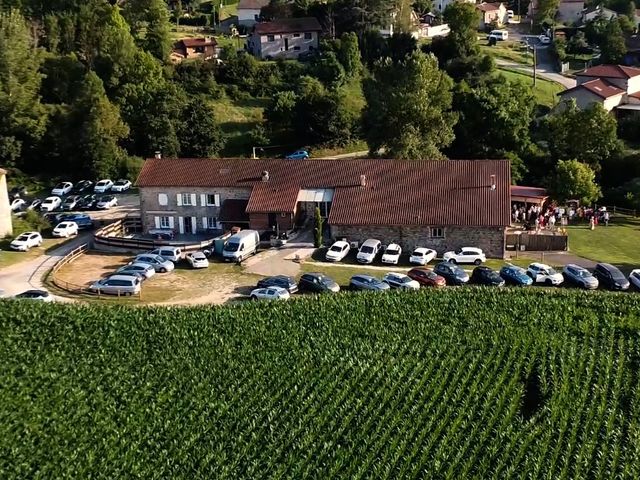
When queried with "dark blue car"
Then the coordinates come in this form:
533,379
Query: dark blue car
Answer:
514,275
452,273
83,220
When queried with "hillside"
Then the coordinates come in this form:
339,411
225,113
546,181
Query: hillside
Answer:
459,383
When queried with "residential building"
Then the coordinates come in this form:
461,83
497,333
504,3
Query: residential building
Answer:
436,204
6,227
249,11
614,86
205,48
284,38
594,12
491,13
569,11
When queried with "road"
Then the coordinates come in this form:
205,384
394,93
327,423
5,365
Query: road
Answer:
543,71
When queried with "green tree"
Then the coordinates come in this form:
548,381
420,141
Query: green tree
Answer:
403,20
546,11
328,69
200,134
408,111
150,25
422,6
612,45
22,116
349,54
462,18
574,180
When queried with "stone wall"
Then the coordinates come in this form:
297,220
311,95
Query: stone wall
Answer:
489,239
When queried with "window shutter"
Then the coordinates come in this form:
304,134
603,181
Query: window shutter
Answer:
203,200
194,223
204,223
171,223
181,225
179,199
217,197
162,199
193,199
157,220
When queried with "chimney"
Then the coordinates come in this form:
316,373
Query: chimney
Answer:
265,176
493,182
363,181
158,154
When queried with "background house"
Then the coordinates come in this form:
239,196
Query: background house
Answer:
284,38
570,11
491,12
594,12
205,48
249,11
436,204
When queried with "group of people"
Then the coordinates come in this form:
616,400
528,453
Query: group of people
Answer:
537,218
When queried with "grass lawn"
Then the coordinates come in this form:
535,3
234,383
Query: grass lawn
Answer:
617,244
507,50
229,9
10,257
544,92
237,119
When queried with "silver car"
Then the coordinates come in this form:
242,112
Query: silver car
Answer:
580,277
117,285
367,282
144,269
159,264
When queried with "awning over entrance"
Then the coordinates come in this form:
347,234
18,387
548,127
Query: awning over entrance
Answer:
317,195
528,194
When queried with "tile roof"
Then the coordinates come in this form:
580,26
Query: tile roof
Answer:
599,87
288,25
488,7
252,4
448,192
610,71
198,42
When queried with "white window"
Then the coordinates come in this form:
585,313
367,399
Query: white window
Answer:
437,232
165,222
163,199
271,38
210,200
188,199
212,223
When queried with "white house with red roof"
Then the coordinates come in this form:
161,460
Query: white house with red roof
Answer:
490,12
613,86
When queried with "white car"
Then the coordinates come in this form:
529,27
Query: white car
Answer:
422,256
106,202
25,241
337,251
270,293
634,278
145,270
401,281
121,185
392,254
17,204
197,260
541,273
50,204
368,250
38,295
544,40
103,186
62,189
465,255
65,229
35,203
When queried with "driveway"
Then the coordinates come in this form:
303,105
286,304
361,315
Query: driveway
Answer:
281,261
543,71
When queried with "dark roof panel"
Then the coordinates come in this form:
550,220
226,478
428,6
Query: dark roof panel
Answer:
288,25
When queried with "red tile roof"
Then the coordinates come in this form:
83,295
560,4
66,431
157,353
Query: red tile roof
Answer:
289,25
252,4
488,7
198,42
610,71
599,87
448,192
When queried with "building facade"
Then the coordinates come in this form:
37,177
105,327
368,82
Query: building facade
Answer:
284,38
205,48
249,11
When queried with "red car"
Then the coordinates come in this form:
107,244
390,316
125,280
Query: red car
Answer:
426,277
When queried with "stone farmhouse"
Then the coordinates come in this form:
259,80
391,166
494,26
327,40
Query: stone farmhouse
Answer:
436,204
284,38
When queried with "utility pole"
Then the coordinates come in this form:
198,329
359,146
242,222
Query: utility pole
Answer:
534,65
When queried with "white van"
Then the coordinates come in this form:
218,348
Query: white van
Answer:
241,245
170,253
498,35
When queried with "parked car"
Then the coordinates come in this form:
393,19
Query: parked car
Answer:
121,185
197,260
143,269
50,204
18,191
453,274
35,204
39,295
610,277
25,241
103,186
465,255
241,245
422,256
515,275
392,254
106,202
544,40
117,285
65,229
17,204
298,155
70,203
270,293
367,282
369,250
401,281
317,283
486,276
62,189
634,278
541,273
426,277
87,202
498,35
83,220
170,253
579,276
83,186
159,263
337,251
282,281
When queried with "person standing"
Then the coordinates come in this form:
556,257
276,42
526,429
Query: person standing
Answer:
605,217
592,223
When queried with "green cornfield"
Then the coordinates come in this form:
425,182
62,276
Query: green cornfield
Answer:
458,383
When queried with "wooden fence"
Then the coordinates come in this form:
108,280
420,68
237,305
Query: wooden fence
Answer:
537,243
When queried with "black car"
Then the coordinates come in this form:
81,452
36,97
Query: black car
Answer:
317,283
70,203
486,276
18,191
452,273
83,186
35,295
283,281
610,277
88,202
